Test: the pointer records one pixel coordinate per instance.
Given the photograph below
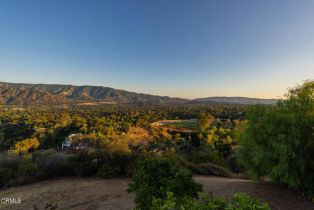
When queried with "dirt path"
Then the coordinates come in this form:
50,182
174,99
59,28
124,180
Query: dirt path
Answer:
85,194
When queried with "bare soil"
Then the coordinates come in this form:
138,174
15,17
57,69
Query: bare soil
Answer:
278,197
93,193
72,193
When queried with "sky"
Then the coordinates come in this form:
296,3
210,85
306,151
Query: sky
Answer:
181,48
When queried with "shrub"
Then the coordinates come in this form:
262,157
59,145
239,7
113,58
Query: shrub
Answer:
117,163
109,170
86,168
245,202
6,174
54,163
83,164
154,177
173,203
28,172
11,161
208,202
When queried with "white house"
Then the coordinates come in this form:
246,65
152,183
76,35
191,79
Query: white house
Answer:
67,144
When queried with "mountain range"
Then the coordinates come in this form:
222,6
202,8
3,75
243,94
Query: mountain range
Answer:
53,94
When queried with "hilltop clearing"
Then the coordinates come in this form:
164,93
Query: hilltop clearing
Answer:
92,193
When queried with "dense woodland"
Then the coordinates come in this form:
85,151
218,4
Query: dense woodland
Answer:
50,125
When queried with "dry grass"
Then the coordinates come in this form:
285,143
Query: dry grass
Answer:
72,193
138,133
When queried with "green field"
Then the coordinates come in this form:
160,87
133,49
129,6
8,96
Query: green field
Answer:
183,125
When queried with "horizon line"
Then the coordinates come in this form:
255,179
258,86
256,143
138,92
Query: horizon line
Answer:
76,85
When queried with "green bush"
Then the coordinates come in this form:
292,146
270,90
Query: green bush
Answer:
28,169
11,161
206,155
54,163
28,172
208,202
84,164
113,164
154,177
278,142
245,202
109,170
6,174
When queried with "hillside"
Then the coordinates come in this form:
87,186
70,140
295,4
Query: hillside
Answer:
35,94
43,94
233,100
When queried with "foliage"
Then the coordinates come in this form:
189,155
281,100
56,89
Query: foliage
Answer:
54,163
51,124
35,133
25,146
115,163
109,170
239,128
204,121
208,202
6,174
8,160
154,177
278,142
28,169
83,164
27,172
245,202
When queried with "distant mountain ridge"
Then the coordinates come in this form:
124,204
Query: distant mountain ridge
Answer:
36,94
54,94
234,100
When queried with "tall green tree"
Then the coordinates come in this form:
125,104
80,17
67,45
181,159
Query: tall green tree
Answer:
278,141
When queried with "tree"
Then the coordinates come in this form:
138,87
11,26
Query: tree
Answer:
239,128
278,141
25,146
204,121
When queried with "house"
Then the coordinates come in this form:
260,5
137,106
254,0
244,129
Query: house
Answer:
82,146
68,142
66,145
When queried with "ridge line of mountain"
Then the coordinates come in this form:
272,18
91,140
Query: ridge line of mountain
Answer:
56,94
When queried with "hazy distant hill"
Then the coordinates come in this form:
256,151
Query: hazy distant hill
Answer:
32,94
234,100
40,94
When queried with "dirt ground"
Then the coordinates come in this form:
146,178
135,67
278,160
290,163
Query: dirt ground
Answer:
276,196
85,194
72,193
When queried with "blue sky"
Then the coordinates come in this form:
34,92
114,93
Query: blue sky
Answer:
183,48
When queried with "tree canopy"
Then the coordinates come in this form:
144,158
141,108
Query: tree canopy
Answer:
278,142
